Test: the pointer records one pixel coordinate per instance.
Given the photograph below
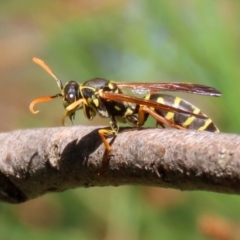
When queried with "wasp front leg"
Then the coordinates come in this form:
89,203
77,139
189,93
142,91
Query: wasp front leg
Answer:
104,134
72,108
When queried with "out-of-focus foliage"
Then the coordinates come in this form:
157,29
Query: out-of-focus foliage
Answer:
194,41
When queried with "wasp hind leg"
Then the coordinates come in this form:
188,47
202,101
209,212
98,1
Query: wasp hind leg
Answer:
143,110
160,124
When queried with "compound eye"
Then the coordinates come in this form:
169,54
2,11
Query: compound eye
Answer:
71,92
71,97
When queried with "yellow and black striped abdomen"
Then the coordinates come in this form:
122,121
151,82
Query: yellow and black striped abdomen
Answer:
185,120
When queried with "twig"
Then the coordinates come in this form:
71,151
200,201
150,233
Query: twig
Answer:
34,162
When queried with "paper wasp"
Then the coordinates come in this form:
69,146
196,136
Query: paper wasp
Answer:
105,98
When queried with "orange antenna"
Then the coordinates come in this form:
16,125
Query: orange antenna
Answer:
41,99
42,64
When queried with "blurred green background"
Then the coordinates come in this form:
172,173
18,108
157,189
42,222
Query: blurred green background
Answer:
123,40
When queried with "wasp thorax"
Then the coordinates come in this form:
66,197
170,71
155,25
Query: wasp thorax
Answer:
71,92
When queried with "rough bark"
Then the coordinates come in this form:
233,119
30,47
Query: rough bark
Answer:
37,161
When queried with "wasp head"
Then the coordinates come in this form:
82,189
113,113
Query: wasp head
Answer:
71,93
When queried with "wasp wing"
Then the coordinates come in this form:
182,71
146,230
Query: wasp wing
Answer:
141,101
139,87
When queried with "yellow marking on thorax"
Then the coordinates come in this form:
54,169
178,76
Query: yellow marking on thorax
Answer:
207,122
191,119
117,107
82,87
111,85
128,112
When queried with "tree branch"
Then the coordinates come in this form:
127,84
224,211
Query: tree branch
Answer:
34,162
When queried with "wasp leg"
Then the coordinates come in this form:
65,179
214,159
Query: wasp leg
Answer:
70,110
76,105
104,133
42,99
159,124
66,114
160,120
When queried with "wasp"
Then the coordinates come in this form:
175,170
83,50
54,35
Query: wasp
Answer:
105,98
